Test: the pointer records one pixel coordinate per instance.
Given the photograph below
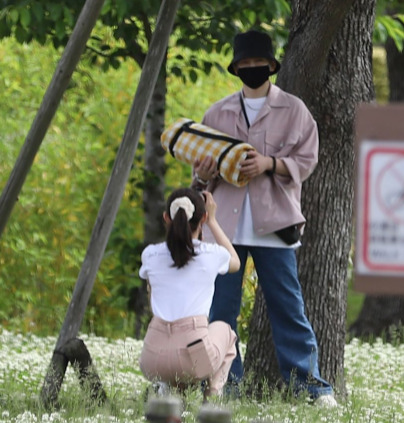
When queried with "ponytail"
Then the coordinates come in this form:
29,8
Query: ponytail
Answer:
186,208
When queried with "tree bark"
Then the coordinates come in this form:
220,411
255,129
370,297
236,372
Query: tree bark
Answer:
328,65
155,166
382,315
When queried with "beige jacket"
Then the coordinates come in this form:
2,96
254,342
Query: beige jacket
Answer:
285,129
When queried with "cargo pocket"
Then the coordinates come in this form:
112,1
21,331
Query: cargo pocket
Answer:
201,360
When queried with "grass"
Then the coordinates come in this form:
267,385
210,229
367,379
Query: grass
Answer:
374,378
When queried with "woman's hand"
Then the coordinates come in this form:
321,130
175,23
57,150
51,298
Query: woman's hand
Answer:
206,169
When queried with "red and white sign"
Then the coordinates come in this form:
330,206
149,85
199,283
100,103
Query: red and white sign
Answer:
380,208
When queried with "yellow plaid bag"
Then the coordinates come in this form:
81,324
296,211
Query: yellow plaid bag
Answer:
188,141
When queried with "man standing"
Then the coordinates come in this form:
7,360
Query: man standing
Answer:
264,218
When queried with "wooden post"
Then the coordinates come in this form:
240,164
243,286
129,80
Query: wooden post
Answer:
54,379
48,107
79,357
76,353
116,185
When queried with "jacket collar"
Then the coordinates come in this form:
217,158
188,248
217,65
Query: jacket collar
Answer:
275,98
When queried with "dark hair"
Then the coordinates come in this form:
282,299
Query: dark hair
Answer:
180,229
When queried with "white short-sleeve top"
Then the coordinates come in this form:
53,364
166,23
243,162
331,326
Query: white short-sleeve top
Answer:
178,293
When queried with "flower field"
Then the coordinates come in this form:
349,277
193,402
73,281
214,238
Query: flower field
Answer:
374,378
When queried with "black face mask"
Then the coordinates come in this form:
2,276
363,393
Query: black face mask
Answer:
255,76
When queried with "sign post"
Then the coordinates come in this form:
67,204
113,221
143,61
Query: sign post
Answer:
379,247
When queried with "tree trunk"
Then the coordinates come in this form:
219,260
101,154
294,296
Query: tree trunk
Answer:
328,65
155,166
153,193
381,315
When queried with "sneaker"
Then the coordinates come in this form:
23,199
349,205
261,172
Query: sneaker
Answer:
326,401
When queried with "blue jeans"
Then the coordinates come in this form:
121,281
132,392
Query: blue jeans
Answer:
294,339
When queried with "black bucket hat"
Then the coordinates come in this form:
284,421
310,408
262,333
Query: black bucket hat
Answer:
252,44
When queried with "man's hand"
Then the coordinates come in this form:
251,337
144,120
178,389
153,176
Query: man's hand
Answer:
255,164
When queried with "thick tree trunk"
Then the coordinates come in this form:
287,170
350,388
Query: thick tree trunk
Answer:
328,65
381,315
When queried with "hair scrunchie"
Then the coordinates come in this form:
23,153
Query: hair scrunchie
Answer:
182,203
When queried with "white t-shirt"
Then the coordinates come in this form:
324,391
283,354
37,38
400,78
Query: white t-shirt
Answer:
185,292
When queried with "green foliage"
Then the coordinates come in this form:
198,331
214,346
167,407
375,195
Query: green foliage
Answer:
389,22
203,34
125,28
355,301
210,27
45,241
124,32
380,77
38,20
247,303
390,26
46,238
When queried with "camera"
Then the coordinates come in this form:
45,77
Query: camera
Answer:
200,192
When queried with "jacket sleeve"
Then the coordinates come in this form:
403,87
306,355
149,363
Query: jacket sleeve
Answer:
303,158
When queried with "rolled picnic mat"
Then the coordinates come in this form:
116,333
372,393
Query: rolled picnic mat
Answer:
187,141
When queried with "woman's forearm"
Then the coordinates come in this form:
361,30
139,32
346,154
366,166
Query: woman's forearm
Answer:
222,239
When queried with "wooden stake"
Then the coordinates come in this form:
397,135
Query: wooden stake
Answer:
117,182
